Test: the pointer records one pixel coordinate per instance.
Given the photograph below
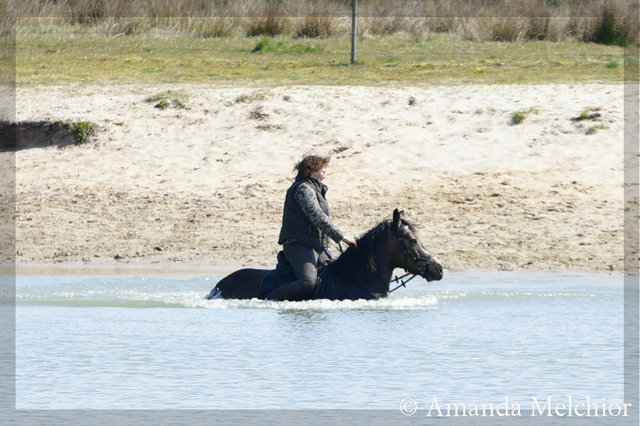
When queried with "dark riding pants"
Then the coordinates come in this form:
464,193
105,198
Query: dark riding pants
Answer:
304,261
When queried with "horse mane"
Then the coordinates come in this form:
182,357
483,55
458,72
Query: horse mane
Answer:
351,262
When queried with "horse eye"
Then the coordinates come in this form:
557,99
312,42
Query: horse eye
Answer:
413,241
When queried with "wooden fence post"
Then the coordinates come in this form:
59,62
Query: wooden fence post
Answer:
354,30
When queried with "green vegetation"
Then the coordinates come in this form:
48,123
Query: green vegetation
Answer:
588,114
257,96
70,54
613,27
519,116
163,104
594,129
266,45
83,130
169,99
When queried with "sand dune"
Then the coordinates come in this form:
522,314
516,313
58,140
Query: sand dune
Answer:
204,185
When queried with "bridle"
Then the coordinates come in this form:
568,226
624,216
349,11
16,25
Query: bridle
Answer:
421,262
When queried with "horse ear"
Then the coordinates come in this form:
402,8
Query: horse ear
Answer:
397,217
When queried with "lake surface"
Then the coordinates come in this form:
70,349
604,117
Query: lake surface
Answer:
134,342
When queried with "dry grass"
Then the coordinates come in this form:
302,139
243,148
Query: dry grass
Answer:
267,18
318,19
600,21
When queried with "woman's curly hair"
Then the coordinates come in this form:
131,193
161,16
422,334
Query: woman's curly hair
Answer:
310,164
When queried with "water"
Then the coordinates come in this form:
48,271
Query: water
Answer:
126,342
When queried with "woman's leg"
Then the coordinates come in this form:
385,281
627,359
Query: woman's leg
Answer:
304,261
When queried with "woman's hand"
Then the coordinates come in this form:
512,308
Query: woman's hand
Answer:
350,241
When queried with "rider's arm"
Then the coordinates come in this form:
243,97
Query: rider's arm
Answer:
308,202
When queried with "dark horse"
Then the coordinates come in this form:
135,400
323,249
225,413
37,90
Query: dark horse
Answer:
359,273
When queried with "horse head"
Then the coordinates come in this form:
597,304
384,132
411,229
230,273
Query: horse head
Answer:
410,254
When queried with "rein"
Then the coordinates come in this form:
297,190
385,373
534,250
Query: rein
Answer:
407,254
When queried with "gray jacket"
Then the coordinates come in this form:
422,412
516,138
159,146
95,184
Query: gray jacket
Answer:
306,216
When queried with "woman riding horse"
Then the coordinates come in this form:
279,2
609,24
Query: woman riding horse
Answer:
306,227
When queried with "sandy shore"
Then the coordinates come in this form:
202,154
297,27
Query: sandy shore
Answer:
204,185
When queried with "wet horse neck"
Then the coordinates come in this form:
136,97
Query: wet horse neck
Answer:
379,267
